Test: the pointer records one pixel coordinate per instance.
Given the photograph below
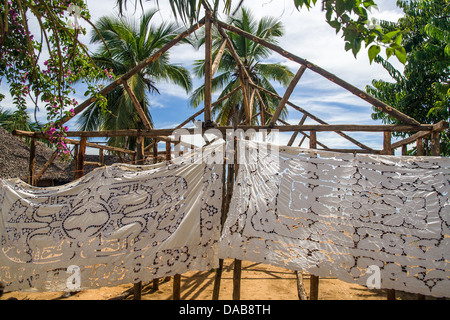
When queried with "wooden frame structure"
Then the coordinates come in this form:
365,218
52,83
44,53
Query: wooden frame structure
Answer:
250,92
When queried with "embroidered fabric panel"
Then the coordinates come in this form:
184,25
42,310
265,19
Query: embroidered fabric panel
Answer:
118,224
342,215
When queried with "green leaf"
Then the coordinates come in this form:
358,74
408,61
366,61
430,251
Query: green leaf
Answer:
374,50
388,36
400,53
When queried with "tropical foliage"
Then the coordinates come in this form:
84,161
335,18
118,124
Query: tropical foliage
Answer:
350,17
123,45
423,90
231,110
45,80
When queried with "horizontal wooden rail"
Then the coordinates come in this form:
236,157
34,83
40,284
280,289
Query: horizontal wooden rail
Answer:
285,128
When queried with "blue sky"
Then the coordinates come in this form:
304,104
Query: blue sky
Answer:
306,35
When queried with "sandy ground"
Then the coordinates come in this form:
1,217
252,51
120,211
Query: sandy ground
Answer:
259,282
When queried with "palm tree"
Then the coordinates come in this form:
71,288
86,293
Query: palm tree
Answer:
231,110
123,45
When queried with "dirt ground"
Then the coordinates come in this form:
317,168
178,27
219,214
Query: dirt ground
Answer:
259,282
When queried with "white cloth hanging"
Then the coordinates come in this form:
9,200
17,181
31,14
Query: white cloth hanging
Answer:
118,224
342,215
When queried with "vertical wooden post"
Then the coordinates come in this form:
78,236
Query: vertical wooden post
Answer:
435,144
137,291
139,160
314,287
313,139
390,294
155,150
75,161
419,146
387,146
208,65
101,157
237,270
155,160
32,162
387,150
80,158
300,287
313,280
168,151
227,191
177,287
139,150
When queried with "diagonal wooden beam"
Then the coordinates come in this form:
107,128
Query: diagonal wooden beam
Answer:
305,135
333,78
243,74
294,135
219,55
356,142
287,94
137,106
199,112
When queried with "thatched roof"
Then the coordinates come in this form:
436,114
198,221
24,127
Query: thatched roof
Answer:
15,154
14,159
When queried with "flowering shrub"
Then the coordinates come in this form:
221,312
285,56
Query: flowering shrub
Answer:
47,77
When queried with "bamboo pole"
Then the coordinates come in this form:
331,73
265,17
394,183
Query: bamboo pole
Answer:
177,287
333,78
286,95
